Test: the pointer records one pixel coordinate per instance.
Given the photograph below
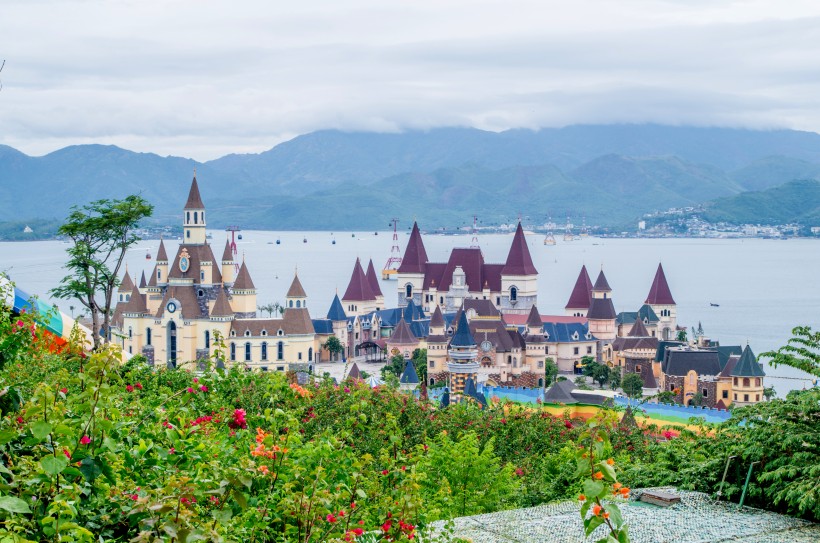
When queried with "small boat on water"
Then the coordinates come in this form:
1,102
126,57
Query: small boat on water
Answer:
714,305
304,240
333,242
353,235
239,236
278,241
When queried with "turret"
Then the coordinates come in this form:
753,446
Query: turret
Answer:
461,357
296,296
661,301
161,271
581,297
244,294
519,278
193,217
358,299
125,288
228,269
413,267
373,282
601,314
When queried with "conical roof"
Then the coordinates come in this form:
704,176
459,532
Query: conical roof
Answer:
161,254
415,256
409,375
413,312
127,285
638,329
354,373
437,320
463,336
402,335
358,289
336,311
373,279
143,284
136,303
296,290
582,291
243,279
227,254
747,366
194,199
659,293
601,284
222,307
153,281
534,319
601,309
519,261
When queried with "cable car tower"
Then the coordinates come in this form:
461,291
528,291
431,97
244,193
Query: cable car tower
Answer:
234,230
393,263
474,232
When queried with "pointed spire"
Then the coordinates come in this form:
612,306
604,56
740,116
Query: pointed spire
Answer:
136,303
243,279
437,320
222,308
336,311
143,284
463,336
227,254
747,366
373,280
127,284
409,375
638,329
659,293
601,284
402,334
194,199
359,288
534,319
415,256
581,295
296,290
354,373
519,261
161,254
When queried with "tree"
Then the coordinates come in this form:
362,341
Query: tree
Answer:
681,335
599,372
615,379
394,366
550,371
696,399
802,351
268,308
769,393
420,363
632,385
101,232
334,346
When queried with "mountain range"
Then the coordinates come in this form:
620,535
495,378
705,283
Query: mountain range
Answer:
610,174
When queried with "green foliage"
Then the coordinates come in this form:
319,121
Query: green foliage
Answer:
632,385
599,372
420,363
550,371
334,345
395,366
802,351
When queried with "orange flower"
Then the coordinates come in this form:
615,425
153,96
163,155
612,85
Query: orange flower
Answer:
260,435
264,470
596,509
611,462
598,475
582,498
624,491
616,486
606,515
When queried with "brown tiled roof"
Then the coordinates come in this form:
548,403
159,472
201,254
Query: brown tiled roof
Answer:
143,284
197,254
648,375
194,199
243,279
730,365
471,260
415,256
227,254
293,322
438,338
297,320
359,288
161,254
601,309
402,335
354,372
534,319
659,293
482,308
437,319
624,343
186,295
296,290
601,284
581,295
373,280
153,281
127,285
495,332
136,303
638,329
519,261
222,307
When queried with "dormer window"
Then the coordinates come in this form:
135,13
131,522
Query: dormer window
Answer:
247,333
588,335
264,332
233,333
575,336
280,332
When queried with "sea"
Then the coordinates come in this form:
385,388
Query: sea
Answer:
739,290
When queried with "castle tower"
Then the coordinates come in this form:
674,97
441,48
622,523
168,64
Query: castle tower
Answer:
244,294
519,278
747,380
296,296
125,288
373,282
193,217
436,348
536,345
143,283
461,358
601,315
581,297
661,301
161,269
413,267
228,269
358,299
336,315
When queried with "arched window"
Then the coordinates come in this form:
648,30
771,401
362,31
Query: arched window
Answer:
432,381
280,350
202,275
757,381
248,351
195,221
187,216
513,294
159,274
509,359
264,350
290,303
746,381
408,290
188,234
310,354
233,351
247,333
148,336
540,381
130,333
515,362
207,339
298,303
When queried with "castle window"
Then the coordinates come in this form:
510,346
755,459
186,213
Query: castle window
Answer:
746,382
280,368
705,392
735,396
637,368
432,381
264,350
290,303
207,339
233,351
540,363
264,368
589,350
408,290
233,333
280,350
202,275
575,350
310,354
515,362
247,333
130,333
734,381
148,336
757,396
540,381
299,356
725,395
745,397
248,351
441,300
264,332
432,365
188,234
509,359
187,216
159,274
280,332
513,294
195,221
298,304
546,347
130,349
757,381
671,386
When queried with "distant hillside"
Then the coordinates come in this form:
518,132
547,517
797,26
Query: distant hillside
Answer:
332,179
795,201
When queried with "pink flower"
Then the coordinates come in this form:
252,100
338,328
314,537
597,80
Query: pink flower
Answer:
203,388
64,390
85,440
238,419
138,385
347,390
568,424
129,388
196,380
172,450
191,390
330,518
67,454
134,497
20,324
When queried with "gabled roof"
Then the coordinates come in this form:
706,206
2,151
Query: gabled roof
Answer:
566,332
409,375
161,254
227,254
534,319
659,293
601,284
222,308
194,199
336,311
296,290
437,319
581,295
197,254
143,284
186,296
560,392
373,280
243,279
680,361
136,303
725,352
323,326
463,337
482,308
601,309
358,289
519,261
415,256
402,334
747,366
729,365
127,285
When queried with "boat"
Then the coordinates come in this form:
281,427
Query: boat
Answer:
375,233
353,235
270,243
304,240
333,242
278,241
239,236
714,305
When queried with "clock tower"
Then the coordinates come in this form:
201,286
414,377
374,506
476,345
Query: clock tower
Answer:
193,217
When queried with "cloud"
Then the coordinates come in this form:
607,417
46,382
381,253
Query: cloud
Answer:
202,80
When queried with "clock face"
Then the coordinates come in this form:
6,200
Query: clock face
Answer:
486,346
184,263
171,307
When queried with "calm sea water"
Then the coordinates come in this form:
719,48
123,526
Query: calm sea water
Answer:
763,287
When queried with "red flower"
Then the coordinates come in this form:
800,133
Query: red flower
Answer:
64,390
238,419
203,388
129,388
138,385
191,390
330,518
519,472
67,453
357,531
568,424
384,472
85,440
172,450
386,526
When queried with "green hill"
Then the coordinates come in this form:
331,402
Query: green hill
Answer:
795,201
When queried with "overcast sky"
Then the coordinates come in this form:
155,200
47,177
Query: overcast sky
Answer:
204,78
